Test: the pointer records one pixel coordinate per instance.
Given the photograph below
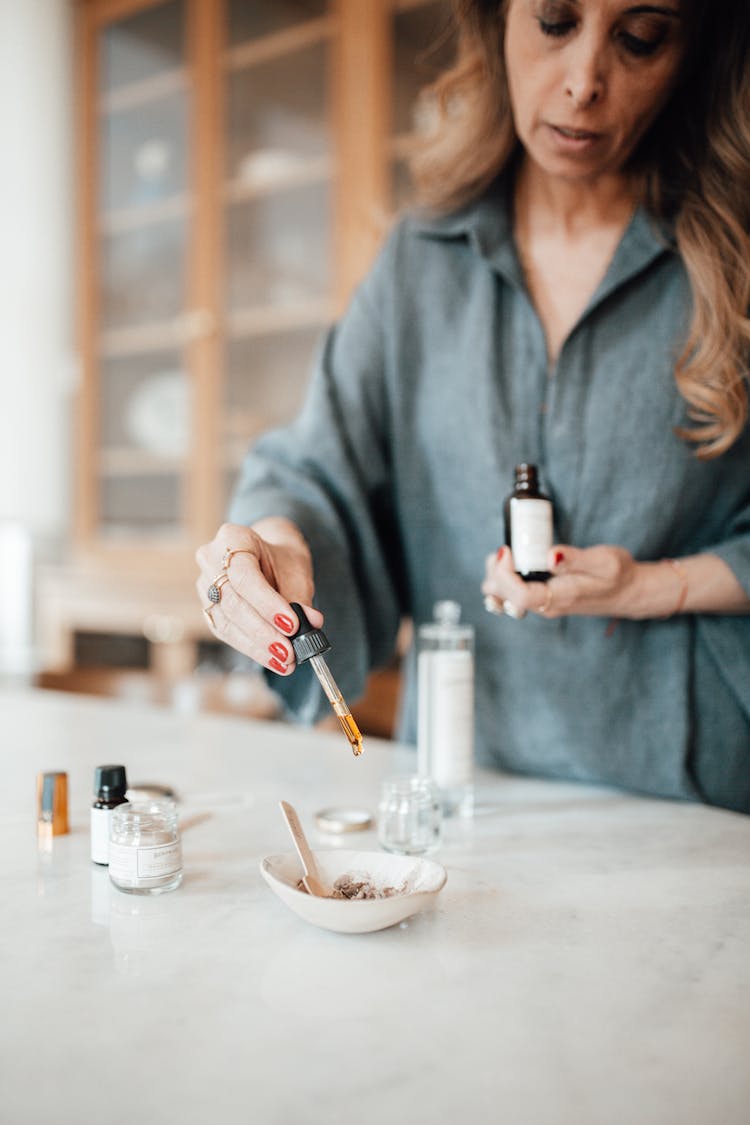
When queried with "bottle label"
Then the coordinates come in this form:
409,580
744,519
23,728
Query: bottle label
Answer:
151,862
530,533
100,835
446,717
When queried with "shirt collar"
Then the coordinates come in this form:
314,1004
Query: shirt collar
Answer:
486,226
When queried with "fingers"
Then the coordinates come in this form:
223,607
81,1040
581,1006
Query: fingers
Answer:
259,580
494,605
498,562
593,581
236,624
252,614
504,591
507,593
561,559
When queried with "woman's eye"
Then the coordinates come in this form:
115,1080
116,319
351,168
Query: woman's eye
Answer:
640,47
556,29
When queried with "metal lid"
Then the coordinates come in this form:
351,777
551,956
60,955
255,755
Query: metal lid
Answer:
52,802
338,821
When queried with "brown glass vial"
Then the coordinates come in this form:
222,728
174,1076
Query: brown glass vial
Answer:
528,525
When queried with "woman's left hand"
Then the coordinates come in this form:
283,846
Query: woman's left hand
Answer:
593,581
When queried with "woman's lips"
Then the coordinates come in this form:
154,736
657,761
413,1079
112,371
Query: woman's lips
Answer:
574,140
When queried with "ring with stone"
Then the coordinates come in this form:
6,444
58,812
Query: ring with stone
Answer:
213,593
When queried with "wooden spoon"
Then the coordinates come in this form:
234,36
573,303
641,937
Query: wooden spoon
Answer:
311,877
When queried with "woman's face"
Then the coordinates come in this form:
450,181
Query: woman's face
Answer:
588,77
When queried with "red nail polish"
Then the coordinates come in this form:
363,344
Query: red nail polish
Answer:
279,650
276,665
281,621
559,556
500,553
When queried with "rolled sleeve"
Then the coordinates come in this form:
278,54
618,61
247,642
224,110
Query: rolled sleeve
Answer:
328,472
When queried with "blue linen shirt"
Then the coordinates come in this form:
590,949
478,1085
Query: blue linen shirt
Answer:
427,393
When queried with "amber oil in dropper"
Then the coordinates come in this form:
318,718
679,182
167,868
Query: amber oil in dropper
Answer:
349,727
309,644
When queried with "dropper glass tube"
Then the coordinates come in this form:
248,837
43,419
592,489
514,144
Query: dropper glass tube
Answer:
339,704
309,644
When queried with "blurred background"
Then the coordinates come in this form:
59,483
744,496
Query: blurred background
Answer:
192,190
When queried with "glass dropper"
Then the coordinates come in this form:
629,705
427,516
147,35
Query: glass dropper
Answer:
310,643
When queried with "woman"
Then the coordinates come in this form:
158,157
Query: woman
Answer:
575,296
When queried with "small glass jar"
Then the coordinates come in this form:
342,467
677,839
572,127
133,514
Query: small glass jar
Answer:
409,816
145,854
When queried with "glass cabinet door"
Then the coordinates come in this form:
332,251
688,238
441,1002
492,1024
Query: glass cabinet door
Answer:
278,173
142,406
210,270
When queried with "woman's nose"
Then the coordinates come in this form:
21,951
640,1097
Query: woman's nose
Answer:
584,80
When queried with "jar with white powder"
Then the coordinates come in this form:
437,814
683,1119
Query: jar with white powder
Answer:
145,853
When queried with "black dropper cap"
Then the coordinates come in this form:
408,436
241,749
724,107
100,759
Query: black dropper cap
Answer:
307,641
110,781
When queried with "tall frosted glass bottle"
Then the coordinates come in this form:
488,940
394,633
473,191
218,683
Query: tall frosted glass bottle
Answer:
445,707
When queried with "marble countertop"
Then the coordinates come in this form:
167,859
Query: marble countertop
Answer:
587,962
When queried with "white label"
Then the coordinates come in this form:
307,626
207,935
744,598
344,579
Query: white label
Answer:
150,862
100,835
446,717
530,534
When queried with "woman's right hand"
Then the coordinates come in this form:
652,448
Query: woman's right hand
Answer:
269,566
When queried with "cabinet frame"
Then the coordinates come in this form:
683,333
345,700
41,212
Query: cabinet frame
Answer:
113,584
357,31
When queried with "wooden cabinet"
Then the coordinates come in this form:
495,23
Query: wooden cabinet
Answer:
239,160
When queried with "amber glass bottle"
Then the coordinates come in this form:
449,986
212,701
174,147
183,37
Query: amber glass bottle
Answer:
528,525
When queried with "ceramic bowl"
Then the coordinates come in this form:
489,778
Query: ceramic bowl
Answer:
422,879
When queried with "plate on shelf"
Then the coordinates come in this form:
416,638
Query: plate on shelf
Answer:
268,166
157,417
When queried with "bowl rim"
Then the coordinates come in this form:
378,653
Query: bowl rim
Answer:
361,902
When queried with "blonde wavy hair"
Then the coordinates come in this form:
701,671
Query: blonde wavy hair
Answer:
694,165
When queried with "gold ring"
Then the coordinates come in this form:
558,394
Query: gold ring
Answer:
546,605
213,593
229,554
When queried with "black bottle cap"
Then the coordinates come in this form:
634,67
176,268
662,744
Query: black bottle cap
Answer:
110,781
307,641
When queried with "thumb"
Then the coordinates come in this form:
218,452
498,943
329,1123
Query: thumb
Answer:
561,558
498,560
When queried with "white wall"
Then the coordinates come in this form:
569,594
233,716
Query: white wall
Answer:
36,266
37,362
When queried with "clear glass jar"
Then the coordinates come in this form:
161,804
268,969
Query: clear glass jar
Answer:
409,816
145,853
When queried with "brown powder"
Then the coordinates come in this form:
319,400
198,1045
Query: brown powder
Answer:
351,887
